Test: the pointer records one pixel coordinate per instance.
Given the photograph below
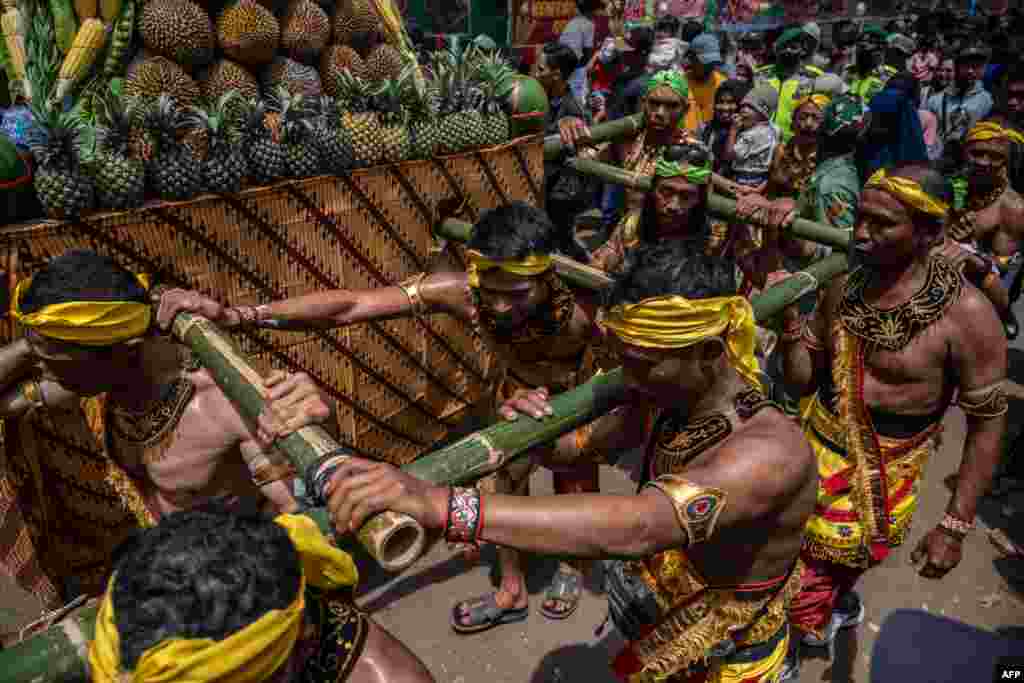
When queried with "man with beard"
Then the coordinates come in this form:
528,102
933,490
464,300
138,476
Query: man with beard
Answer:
869,73
675,208
888,350
110,426
709,544
790,72
540,332
963,103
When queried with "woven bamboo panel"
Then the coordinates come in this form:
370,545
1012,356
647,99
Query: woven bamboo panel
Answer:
398,384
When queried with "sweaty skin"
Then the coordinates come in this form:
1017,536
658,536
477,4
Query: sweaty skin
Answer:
963,351
999,227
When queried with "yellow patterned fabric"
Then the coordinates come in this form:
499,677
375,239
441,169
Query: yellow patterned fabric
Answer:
764,670
535,264
818,100
675,322
909,192
990,130
250,655
90,323
836,531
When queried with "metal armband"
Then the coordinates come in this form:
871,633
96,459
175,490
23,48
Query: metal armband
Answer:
697,507
986,402
32,392
411,288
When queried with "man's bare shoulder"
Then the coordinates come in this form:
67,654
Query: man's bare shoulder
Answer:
1012,211
975,323
770,448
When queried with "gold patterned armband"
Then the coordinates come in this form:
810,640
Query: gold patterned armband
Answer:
697,507
411,288
32,392
988,401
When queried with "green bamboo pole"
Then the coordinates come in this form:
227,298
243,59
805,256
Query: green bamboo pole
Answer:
395,541
602,132
59,653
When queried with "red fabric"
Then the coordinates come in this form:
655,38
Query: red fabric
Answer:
821,584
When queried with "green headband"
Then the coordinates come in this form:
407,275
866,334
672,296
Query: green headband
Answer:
698,175
670,78
788,36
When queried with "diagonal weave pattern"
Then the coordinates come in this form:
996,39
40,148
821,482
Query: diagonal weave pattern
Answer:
399,384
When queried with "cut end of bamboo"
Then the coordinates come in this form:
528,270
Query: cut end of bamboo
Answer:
396,541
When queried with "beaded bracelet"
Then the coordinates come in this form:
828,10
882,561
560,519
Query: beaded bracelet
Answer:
465,516
956,527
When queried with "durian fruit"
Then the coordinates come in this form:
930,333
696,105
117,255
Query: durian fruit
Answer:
178,29
226,76
299,79
305,31
385,63
333,61
356,23
248,33
159,75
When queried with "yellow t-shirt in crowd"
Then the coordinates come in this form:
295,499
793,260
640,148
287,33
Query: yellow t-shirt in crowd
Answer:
702,101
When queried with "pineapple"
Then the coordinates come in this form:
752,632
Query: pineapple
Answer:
335,148
263,147
419,97
460,127
392,118
63,187
225,166
360,124
175,174
495,76
120,176
302,156
385,63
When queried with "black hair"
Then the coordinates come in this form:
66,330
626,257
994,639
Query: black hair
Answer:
735,87
698,219
675,267
690,30
514,231
641,39
81,275
202,573
1014,73
668,24
561,57
588,6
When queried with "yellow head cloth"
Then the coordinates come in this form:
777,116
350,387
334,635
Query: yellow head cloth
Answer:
909,192
534,264
247,656
675,322
89,323
819,100
990,130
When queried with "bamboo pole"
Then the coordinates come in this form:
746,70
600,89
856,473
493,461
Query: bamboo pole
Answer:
59,653
602,132
395,541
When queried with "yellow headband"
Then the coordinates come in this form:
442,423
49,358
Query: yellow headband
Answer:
909,192
534,264
675,322
250,655
817,99
90,323
989,130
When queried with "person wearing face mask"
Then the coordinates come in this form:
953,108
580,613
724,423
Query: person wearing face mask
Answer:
788,74
963,103
869,73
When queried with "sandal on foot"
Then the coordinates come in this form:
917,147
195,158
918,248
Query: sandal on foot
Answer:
565,587
484,613
1003,544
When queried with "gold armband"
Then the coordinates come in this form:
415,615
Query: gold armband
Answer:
32,393
411,288
989,401
697,507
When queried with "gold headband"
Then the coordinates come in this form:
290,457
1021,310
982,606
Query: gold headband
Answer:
250,655
534,264
909,192
675,322
90,323
819,100
990,130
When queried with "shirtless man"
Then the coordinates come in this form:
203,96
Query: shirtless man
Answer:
541,332
729,482
81,473
889,349
992,221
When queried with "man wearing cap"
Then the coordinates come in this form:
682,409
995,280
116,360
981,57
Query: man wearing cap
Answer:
752,53
111,426
869,72
707,550
964,103
789,72
704,75
887,351
899,51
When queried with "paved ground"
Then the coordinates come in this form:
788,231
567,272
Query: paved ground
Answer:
983,591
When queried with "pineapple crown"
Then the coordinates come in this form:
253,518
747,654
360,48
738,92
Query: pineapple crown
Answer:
295,113
56,143
388,102
216,119
116,116
166,120
354,93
